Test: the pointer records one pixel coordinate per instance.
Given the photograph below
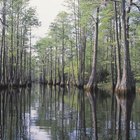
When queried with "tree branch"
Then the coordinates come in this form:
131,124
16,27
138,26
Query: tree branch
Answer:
3,23
134,4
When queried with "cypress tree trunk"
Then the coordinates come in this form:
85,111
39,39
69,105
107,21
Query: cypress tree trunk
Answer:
76,26
22,82
73,75
55,65
3,80
92,80
30,62
16,82
117,48
63,57
59,75
82,59
12,46
51,67
127,82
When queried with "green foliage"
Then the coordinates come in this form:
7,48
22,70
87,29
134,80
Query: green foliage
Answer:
16,50
30,18
69,25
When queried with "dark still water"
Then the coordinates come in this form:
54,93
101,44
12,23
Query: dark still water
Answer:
49,113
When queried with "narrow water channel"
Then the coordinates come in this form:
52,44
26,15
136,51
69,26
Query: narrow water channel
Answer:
53,113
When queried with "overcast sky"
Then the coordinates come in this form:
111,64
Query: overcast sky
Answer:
47,11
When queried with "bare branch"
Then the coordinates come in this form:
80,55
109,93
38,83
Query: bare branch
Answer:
134,4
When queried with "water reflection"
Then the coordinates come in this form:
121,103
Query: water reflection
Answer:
12,114
53,113
124,109
92,100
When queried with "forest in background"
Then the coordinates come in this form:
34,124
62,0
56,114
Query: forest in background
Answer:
16,21
93,42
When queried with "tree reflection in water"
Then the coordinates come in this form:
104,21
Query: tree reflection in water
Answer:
124,109
53,113
92,100
13,107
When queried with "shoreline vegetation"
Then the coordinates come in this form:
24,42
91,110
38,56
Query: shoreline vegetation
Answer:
107,86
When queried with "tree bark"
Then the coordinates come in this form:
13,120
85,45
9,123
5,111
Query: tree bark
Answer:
4,44
73,75
92,83
81,71
63,56
127,82
117,48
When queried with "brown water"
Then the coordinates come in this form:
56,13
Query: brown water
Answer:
49,113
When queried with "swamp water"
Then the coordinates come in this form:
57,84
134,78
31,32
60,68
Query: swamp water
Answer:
53,113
